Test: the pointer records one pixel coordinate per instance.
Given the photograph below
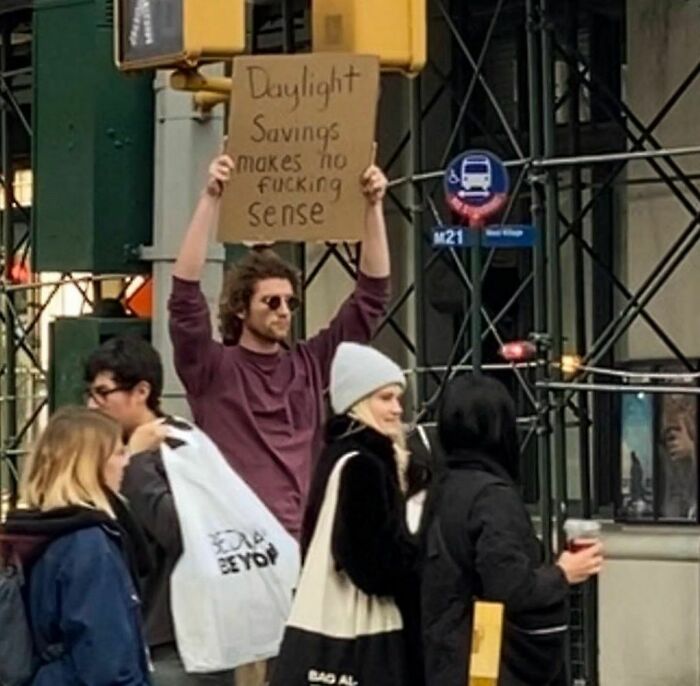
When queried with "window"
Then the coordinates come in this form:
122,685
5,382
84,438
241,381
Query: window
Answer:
658,478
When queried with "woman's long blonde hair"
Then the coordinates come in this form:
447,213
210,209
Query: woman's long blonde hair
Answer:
67,464
362,412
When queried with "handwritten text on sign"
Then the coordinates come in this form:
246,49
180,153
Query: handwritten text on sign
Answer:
301,134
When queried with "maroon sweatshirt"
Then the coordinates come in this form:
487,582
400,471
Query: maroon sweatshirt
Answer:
265,412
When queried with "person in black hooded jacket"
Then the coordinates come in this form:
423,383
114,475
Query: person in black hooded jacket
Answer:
481,544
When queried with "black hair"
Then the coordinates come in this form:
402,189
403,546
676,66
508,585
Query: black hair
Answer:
130,360
110,308
477,414
426,459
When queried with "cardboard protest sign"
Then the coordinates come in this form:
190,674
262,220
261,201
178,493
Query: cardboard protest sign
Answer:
301,134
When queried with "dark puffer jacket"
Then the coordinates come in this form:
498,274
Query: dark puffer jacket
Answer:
371,541
481,545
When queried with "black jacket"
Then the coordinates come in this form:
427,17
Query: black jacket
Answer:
481,545
371,541
147,489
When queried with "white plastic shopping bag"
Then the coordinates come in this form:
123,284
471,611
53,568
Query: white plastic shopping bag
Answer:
231,591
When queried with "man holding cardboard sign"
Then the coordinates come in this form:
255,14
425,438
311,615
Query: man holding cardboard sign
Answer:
259,401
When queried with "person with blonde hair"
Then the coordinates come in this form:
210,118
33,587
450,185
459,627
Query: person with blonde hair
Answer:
82,602
372,550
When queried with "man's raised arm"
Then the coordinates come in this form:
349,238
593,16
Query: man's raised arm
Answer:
193,251
361,313
195,353
374,259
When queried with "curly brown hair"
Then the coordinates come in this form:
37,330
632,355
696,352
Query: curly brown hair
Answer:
239,286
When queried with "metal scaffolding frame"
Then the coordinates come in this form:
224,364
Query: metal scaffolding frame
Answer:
13,215
540,154
23,304
553,164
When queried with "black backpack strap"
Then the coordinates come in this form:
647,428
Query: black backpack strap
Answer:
11,566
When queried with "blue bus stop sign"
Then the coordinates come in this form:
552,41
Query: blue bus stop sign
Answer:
476,186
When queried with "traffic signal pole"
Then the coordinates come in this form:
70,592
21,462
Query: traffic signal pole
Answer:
185,143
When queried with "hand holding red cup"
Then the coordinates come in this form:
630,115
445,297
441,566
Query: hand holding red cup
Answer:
584,557
581,533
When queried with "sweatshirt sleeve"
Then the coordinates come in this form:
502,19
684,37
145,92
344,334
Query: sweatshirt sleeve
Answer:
196,354
356,321
370,540
503,564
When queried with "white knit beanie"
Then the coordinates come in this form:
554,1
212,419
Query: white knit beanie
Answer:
358,371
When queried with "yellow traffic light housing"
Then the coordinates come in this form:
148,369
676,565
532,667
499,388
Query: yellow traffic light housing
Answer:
177,33
393,29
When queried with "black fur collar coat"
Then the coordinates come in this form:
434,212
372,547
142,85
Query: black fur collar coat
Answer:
371,542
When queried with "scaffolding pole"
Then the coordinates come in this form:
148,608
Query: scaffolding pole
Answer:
540,275
8,309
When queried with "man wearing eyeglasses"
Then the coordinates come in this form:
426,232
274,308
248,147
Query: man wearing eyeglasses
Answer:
261,402
124,378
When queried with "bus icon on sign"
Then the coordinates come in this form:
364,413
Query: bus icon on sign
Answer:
476,185
477,177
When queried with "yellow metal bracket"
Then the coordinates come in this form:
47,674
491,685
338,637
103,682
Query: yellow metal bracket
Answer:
209,91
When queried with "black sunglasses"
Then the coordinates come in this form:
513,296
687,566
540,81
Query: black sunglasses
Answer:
274,302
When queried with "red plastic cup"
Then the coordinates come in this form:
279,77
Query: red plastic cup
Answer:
581,534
